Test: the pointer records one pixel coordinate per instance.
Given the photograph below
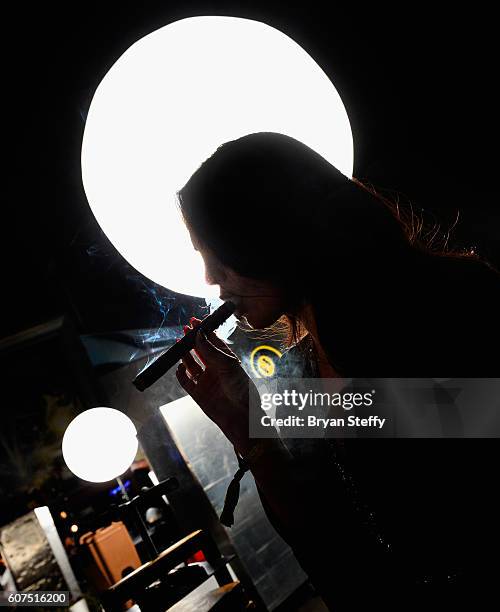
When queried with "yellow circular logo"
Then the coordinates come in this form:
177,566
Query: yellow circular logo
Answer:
262,360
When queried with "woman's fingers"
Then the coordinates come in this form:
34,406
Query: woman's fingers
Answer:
184,380
214,338
220,344
195,322
212,354
193,367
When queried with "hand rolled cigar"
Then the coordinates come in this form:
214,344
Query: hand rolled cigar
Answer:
155,370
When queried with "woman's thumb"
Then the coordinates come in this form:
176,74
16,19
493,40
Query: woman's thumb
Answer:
210,353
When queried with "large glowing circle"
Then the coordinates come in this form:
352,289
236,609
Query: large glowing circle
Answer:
168,102
99,444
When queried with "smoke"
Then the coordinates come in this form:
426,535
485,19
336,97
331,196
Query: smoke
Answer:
159,337
157,333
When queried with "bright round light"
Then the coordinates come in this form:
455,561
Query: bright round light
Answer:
168,102
99,444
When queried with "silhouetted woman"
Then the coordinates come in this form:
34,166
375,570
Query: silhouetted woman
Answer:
361,294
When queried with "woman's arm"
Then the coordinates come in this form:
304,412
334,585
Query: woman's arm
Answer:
294,489
223,389
305,497
299,492
306,505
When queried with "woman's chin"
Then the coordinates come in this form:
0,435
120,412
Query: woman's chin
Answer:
253,321
245,319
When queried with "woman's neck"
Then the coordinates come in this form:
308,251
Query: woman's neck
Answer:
308,320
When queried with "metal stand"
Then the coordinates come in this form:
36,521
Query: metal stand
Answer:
133,506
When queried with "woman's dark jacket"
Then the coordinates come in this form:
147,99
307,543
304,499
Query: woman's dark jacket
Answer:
395,522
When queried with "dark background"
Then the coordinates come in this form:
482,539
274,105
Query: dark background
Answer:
418,83
419,87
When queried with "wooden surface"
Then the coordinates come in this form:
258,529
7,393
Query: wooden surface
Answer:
134,583
227,597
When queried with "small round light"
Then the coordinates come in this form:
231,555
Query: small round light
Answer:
63,514
74,528
99,444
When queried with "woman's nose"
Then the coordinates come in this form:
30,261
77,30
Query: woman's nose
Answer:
214,277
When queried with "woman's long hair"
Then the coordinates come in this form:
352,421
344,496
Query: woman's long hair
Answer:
389,297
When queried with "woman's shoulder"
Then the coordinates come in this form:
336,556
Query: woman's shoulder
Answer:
450,319
469,294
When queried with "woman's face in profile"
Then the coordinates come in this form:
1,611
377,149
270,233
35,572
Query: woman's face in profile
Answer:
258,302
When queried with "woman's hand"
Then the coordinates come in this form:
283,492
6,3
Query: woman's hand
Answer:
219,385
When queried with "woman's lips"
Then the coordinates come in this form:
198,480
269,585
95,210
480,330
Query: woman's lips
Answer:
235,300
227,297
